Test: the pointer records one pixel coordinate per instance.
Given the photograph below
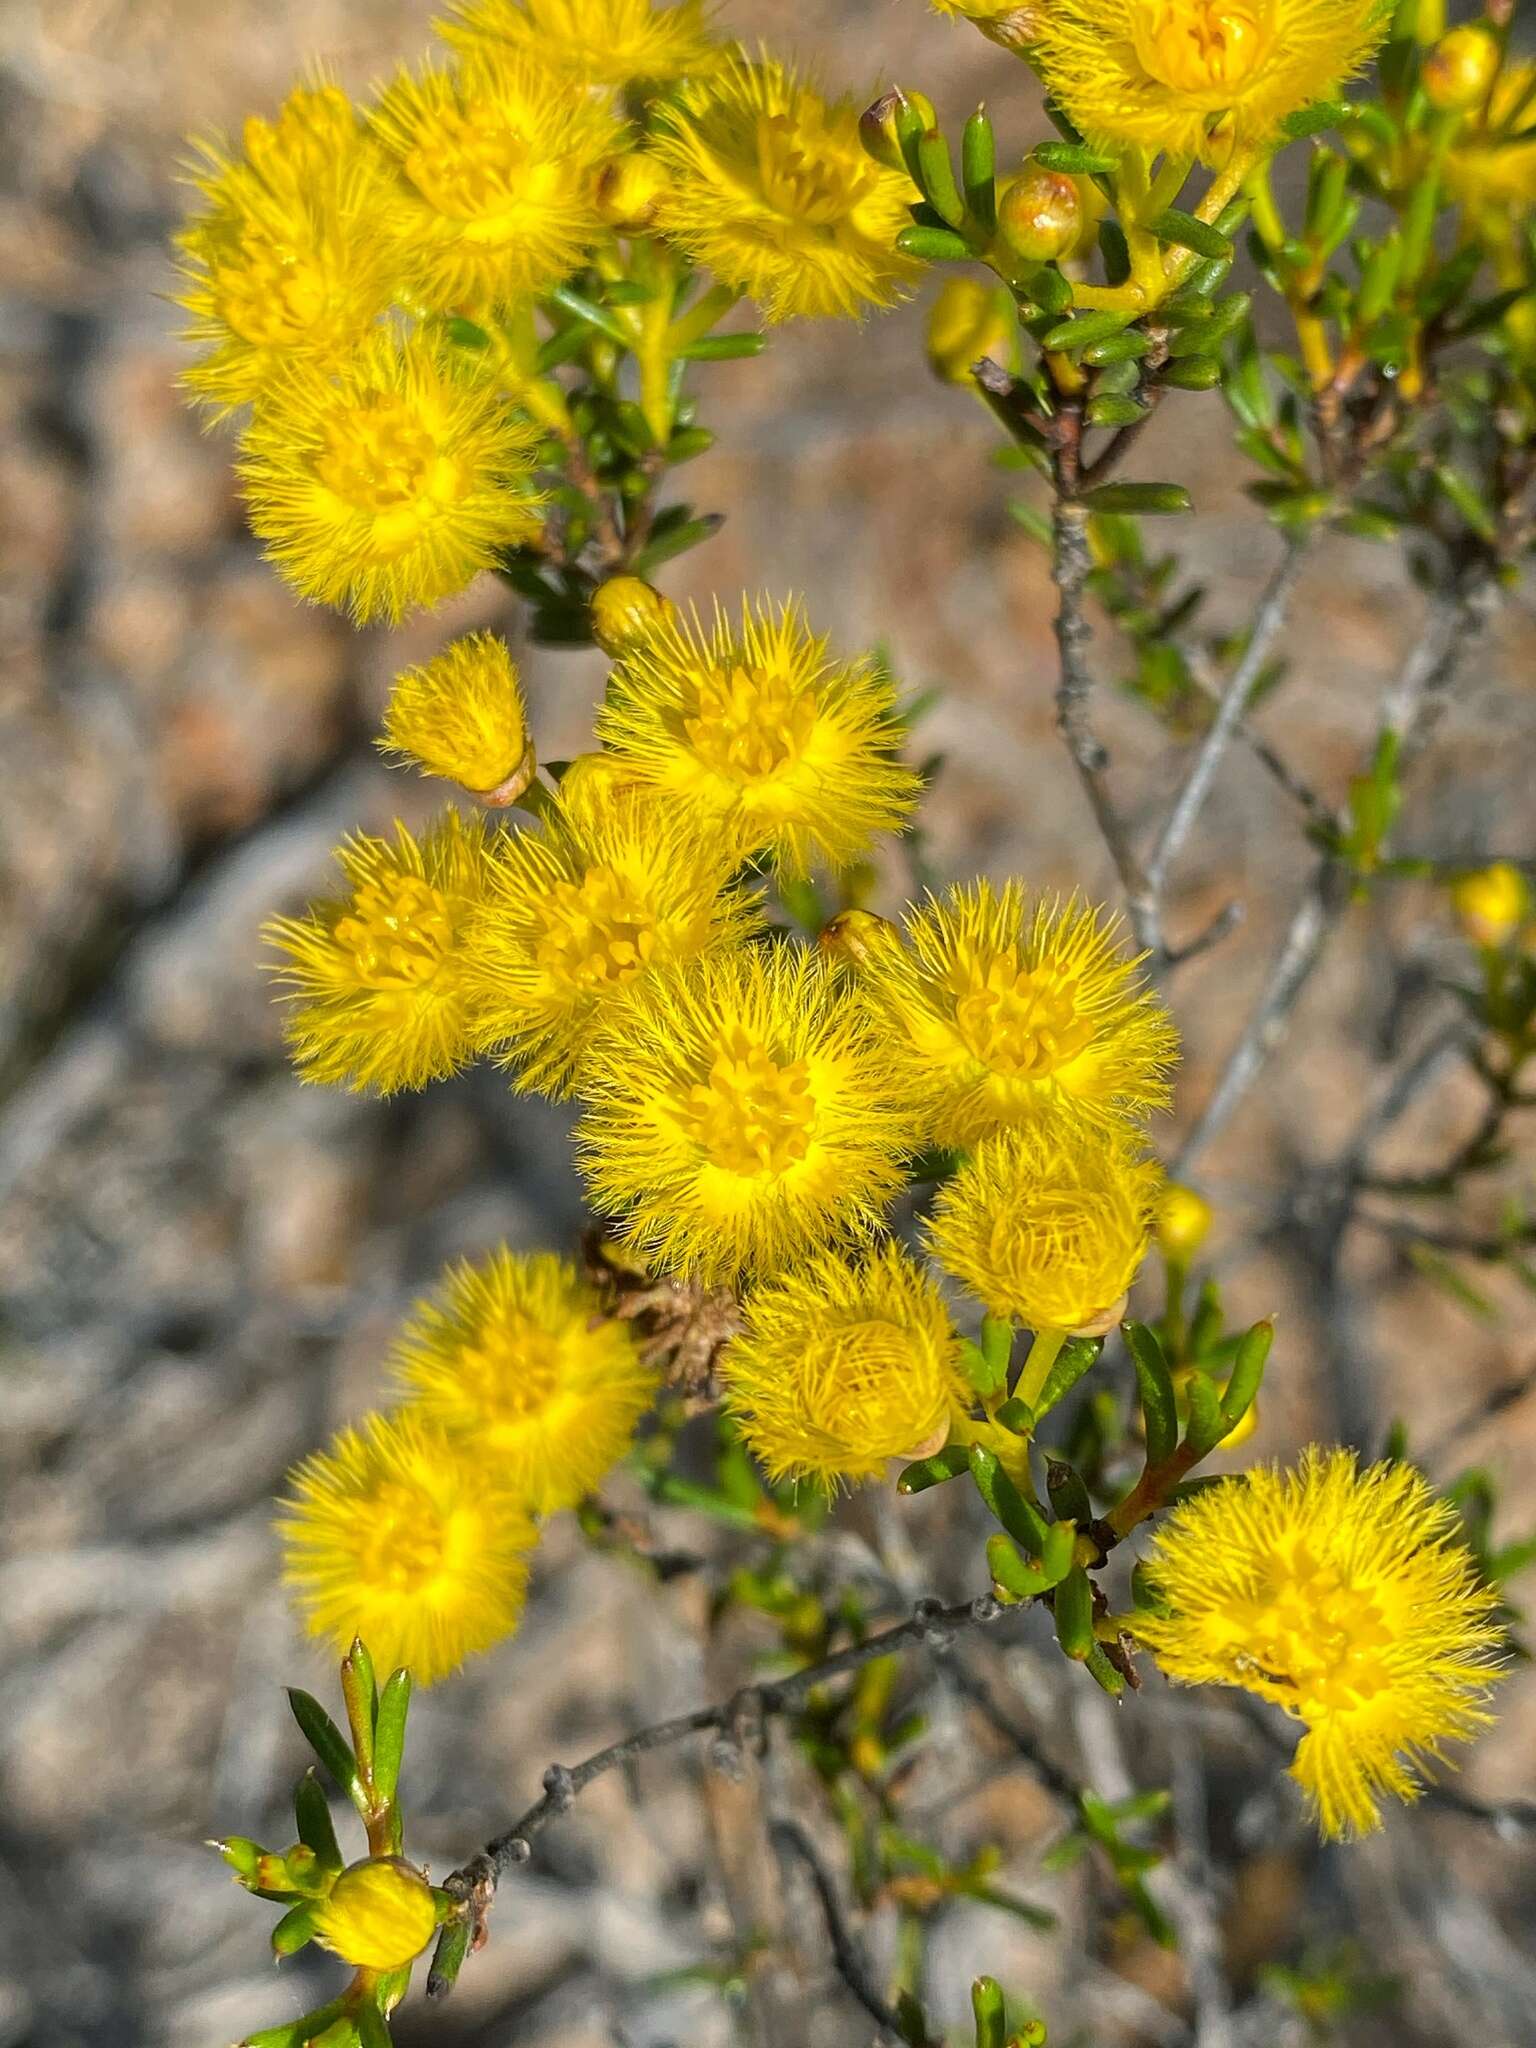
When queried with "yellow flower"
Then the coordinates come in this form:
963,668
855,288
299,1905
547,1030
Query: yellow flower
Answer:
603,42
379,974
379,1915
399,1535
518,1363
1496,180
1342,1596
842,1365
773,742
497,161
391,484
626,610
773,192
1183,1221
1194,77
1048,1223
462,716
286,262
1492,904
1004,1008
740,1117
969,320
579,913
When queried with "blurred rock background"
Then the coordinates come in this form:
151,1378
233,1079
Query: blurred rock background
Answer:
200,1263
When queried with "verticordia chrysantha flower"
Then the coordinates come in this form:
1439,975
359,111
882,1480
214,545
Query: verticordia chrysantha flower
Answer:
1495,179
579,912
739,1116
390,484
400,1535
771,740
1196,77
1492,903
379,1914
1002,1008
461,716
842,1365
515,1361
377,976
287,260
773,192
496,160
1048,1222
604,42
1343,1596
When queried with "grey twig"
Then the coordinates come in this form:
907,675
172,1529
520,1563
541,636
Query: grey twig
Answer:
1070,566
1230,712
475,1882
1226,920
847,1954
973,1687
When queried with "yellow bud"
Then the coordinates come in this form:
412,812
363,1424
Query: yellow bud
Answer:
461,716
625,611
1492,904
630,189
1242,1429
1183,1221
1039,213
380,1915
968,320
1460,68
854,935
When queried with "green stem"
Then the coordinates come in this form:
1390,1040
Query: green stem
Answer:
1043,1354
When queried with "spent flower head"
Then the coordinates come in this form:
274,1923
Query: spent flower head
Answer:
377,976
740,1116
389,484
842,1365
772,191
1048,1222
1004,1007
402,1535
602,42
1342,1596
579,912
461,716
773,742
515,1362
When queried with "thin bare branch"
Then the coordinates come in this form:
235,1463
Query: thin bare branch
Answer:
847,1953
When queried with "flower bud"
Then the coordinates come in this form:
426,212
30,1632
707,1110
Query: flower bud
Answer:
878,125
854,935
1492,904
1460,69
629,190
968,320
625,611
1039,213
461,716
380,1915
1183,1222
1005,22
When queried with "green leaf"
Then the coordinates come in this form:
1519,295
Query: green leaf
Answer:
465,334
997,1342
933,245
1082,329
328,1743
1073,1603
389,1741
1185,232
1154,1383
1117,348
1071,1362
1016,1415
1195,373
448,1959
1019,1579
1464,495
1206,1425
593,316
984,1375
295,2033
1075,157
1049,290
312,1812
990,2013
1112,410
1058,1551
723,348
946,1464
372,2031
1068,1495
360,1690
936,177
676,540
1024,1523
1314,119
978,168
1143,499
296,1927
1103,1673
1247,1373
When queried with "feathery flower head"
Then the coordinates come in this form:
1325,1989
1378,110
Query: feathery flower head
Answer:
496,160
286,262
1048,1222
579,912
399,1535
518,1364
1003,1008
379,1914
740,1116
378,975
602,42
843,1364
773,192
389,485
461,716
1196,77
774,742
1492,903
1343,1596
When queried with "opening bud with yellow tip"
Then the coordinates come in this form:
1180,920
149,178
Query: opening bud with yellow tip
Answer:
1492,903
1183,1222
1460,69
380,1914
461,716
1040,214
969,320
629,191
627,611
